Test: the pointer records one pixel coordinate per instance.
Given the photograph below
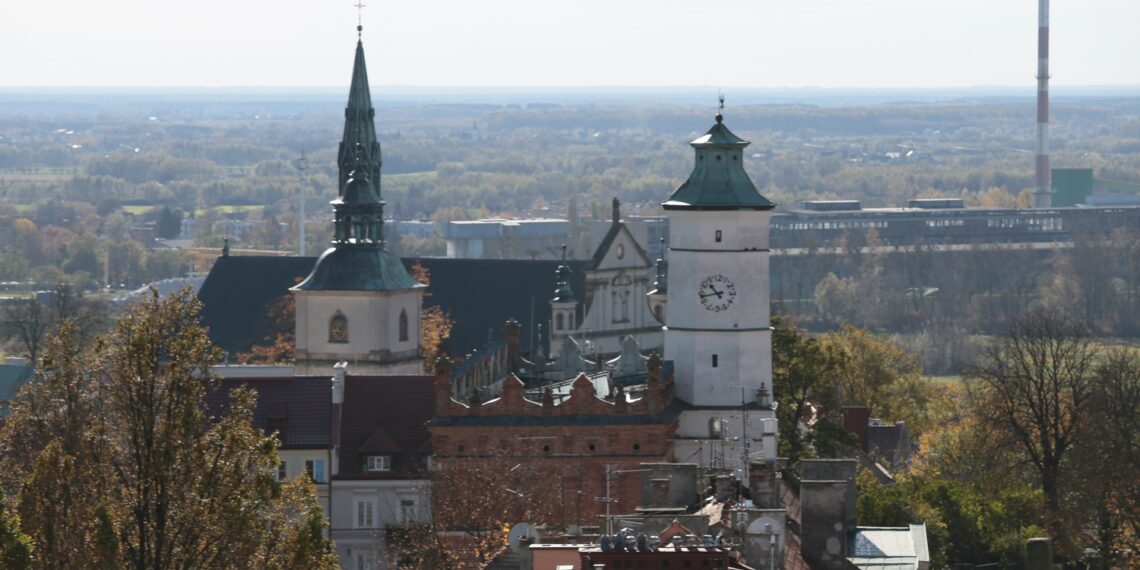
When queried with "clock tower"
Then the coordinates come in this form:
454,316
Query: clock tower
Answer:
718,331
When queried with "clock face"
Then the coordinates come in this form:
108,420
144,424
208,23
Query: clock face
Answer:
717,293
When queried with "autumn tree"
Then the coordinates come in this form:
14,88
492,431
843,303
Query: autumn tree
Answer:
804,376
27,322
279,332
880,375
15,546
435,322
474,501
1035,386
119,465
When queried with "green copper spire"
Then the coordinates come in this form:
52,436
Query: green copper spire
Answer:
358,259
359,128
718,180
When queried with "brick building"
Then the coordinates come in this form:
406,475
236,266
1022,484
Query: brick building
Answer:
575,443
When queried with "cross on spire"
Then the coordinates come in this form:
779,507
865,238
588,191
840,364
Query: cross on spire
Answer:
720,109
359,17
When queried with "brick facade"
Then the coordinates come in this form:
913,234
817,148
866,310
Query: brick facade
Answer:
568,446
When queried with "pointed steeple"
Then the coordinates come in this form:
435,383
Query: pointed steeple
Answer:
358,259
359,128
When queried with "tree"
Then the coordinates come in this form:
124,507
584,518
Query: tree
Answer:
1109,452
278,333
120,466
28,322
1034,385
15,546
435,323
804,376
880,375
169,224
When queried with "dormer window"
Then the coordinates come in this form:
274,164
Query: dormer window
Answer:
378,463
338,328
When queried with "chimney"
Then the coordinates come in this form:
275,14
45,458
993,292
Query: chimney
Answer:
511,332
339,371
1039,554
1043,192
827,511
855,420
442,385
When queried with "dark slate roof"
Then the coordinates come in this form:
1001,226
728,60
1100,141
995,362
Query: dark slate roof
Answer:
350,267
480,294
616,229
299,407
12,378
238,292
396,406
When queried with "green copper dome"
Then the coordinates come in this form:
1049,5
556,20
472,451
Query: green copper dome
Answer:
718,180
359,268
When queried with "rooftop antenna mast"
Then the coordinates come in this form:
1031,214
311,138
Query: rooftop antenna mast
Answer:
301,164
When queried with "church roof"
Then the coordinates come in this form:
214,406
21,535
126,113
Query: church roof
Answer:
718,181
479,294
358,268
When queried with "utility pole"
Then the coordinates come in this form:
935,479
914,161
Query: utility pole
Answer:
608,499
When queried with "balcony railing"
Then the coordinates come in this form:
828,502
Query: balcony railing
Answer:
358,534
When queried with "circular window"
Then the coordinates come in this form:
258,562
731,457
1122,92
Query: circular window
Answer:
620,250
460,448
546,449
592,447
636,446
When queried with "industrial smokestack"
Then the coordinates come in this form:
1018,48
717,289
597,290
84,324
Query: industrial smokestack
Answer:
1043,192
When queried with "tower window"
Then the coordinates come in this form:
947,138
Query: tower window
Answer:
718,157
559,322
715,361
403,325
719,236
338,328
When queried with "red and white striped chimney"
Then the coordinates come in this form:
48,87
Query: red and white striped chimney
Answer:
1043,192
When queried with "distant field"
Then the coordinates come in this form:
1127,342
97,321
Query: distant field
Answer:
945,379
231,209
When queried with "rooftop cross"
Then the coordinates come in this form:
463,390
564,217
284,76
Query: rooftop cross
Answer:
719,115
359,17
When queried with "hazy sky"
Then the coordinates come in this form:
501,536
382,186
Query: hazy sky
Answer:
716,43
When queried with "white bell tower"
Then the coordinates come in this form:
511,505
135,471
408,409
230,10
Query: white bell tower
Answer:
718,333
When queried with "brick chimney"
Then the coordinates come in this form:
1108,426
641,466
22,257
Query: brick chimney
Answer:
442,385
511,331
827,511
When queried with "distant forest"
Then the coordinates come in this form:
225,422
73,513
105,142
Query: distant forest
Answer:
80,177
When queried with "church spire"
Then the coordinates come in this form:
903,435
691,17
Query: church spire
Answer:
359,128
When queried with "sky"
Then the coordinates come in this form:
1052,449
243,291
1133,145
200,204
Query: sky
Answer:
558,43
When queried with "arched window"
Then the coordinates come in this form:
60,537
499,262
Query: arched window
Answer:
559,322
338,328
403,325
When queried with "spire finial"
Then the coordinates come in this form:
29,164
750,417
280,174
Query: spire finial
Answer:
359,17
563,253
720,109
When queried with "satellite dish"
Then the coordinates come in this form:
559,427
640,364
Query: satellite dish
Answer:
521,536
